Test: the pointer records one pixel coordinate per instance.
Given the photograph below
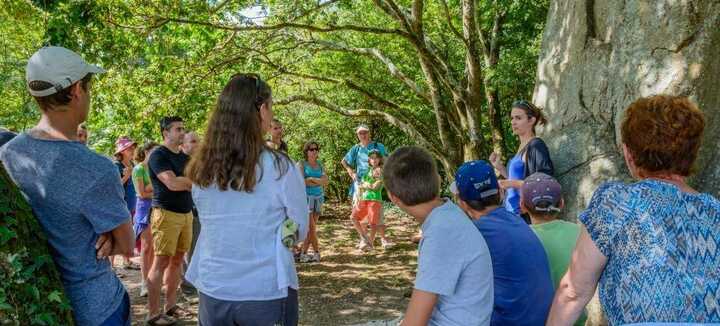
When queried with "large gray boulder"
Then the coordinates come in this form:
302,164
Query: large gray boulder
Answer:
599,56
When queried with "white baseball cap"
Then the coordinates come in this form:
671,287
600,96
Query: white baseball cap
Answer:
363,127
57,66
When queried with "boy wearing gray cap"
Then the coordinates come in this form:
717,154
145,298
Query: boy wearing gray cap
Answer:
541,198
74,192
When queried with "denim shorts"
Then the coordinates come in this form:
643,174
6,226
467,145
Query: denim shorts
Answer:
121,316
315,204
215,312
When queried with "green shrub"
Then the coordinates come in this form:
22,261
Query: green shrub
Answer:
31,292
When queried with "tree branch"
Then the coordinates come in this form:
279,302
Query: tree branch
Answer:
405,126
391,67
320,29
452,28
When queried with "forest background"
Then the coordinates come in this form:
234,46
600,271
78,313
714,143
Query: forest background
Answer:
439,74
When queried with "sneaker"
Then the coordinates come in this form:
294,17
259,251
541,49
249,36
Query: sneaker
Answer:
386,243
316,257
365,246
143,291
362,243
304,258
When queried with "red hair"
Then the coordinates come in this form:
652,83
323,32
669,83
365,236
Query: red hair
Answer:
663,133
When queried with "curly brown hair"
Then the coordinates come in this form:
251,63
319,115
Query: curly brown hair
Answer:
231,149
663,133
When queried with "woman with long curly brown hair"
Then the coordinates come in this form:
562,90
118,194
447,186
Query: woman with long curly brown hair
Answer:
245,192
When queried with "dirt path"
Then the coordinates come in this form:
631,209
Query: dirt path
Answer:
347,287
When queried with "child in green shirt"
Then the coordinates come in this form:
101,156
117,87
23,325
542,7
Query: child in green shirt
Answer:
370,204
541,198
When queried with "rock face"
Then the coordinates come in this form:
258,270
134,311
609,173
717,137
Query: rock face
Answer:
599,56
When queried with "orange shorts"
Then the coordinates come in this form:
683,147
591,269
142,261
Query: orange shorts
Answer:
370,209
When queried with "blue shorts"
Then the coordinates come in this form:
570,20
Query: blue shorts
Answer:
282,311
315,204
121,316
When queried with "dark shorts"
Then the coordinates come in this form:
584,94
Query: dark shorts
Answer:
121,316
214,312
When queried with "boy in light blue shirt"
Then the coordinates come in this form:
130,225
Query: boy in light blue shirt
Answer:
454,282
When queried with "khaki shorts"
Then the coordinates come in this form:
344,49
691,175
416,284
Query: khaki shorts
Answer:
172,232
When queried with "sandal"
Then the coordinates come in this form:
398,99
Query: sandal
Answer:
131,266
178,312
161,320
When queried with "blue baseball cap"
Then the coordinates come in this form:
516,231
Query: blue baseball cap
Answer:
475,180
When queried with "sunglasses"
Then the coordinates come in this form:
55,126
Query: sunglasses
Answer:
258,100
522,104
314,149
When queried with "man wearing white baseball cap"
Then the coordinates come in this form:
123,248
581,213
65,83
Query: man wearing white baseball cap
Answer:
356,164
75,193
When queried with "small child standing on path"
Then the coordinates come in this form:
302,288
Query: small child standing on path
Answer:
370,205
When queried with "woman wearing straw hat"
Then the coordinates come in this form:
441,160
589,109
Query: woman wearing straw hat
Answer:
124,150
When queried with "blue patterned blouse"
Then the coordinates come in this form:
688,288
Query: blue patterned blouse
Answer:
663,250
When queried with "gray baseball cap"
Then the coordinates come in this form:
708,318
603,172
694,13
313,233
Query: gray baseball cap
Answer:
57,66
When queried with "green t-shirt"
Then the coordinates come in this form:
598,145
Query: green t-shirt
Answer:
558,238
371,194
137,173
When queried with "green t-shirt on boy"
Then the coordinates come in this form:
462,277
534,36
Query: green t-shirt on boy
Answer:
558,238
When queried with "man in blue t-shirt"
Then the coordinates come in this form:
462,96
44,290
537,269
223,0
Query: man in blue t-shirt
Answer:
523,285
356,164
75,193
355,160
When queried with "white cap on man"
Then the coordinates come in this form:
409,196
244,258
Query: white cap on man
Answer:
57,66
362,127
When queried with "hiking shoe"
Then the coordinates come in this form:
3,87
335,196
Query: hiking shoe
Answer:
316,257
304,258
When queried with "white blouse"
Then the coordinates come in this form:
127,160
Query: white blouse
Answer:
239,255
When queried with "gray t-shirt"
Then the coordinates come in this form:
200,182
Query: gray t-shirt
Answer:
454,263
76,195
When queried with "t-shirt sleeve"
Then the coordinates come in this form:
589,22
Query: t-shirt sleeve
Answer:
159,162
605,216
351,156
538,158
382,150
294,198
439,268
103,204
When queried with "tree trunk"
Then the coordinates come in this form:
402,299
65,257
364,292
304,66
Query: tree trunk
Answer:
599,56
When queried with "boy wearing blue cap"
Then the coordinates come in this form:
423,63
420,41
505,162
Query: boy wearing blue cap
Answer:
523,286
453,285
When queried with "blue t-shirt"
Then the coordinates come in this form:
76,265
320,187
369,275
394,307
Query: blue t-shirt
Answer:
663,250
523,285
129,195
516,171
357,157
454,263
309,172
75,195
